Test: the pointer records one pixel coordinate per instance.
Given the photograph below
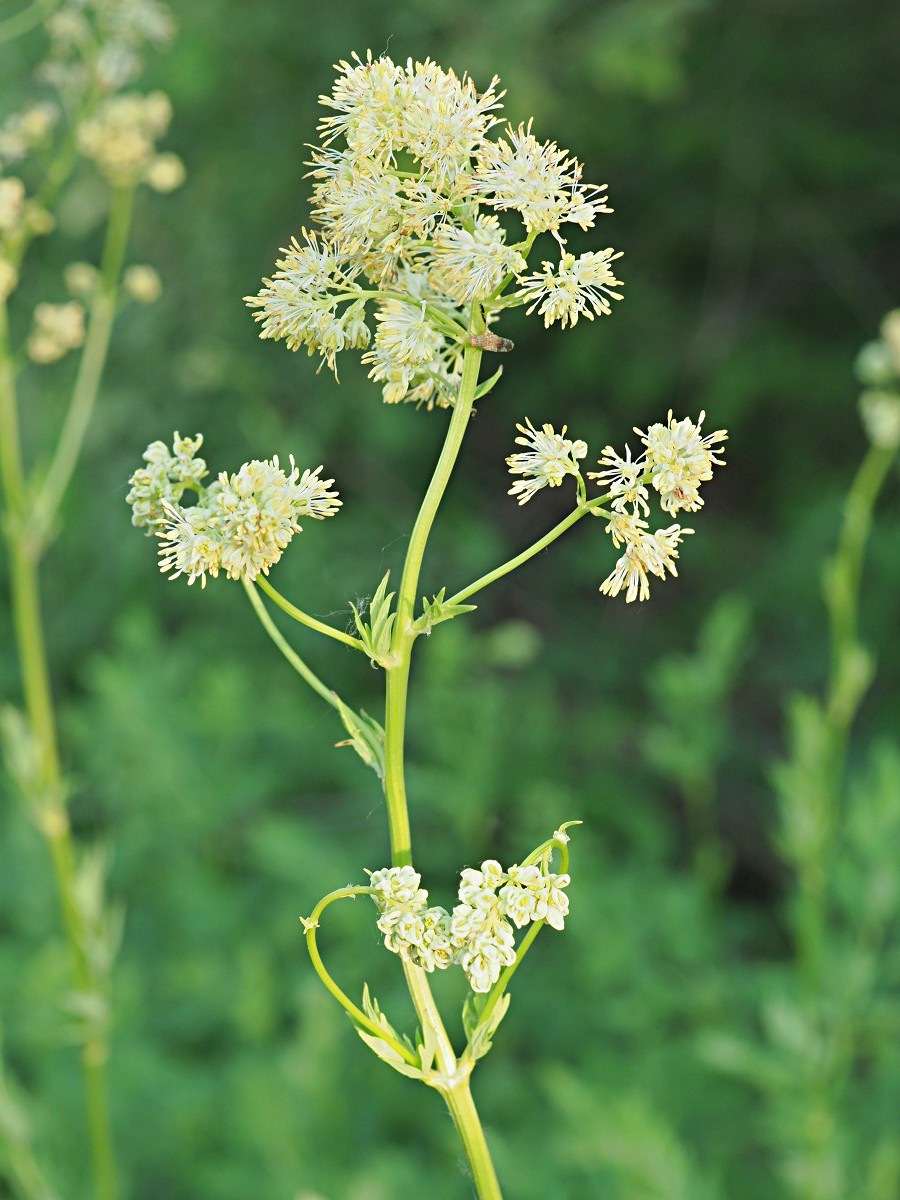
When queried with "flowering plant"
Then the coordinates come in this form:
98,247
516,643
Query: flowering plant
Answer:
84,118
424,225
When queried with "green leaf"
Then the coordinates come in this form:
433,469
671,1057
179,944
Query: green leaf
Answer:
366,737
375,633
435,611
389,1055
488,385
480,1034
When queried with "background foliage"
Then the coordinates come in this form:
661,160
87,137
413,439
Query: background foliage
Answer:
750,151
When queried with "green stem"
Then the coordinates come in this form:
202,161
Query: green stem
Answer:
28,18
329,696
592,506
90,370
310,925
844,691
468,1126
404,634
842,596
304,618
49,792
456,1093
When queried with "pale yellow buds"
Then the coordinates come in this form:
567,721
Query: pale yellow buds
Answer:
58,328
142,283
165,173
81,279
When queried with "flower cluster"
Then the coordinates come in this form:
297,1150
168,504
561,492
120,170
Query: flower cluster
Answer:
21,217
878,369
96,46
407,185
577,287
478,935
240,524
24,132
675,461
121,139
548,459
58,328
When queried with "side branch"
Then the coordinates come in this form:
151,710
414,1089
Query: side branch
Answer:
304,618
310,677
593,507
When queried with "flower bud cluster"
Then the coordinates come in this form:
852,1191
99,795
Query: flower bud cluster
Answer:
407,185
57,329
878,368
121,139
165,478
96,46
26,131
478,935
240,524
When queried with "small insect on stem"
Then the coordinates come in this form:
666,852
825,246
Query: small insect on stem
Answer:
490,341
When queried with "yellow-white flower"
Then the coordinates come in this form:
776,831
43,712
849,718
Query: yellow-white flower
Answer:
645,554
121,135
623,480
469,264
241,524
548,459
404,182
679,460
576,287
538,180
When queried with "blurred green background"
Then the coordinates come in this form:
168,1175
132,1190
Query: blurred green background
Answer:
751,152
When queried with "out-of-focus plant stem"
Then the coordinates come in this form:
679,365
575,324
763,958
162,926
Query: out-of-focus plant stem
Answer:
28,525
848,678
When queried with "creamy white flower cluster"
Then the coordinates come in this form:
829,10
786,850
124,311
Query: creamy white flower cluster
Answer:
240,524
478,935
676,459
548,459
878,369
407,185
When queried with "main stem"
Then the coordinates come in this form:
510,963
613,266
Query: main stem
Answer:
456,1090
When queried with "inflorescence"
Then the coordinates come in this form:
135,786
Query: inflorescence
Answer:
675,461
478,935
407,188
424,222
96,48
240,524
